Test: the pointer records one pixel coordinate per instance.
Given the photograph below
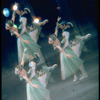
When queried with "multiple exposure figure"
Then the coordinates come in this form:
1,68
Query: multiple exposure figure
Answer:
39,73
28,25
70,62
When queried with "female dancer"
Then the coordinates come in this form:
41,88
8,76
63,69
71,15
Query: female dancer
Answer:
43,73
27,23
40,93
33,29
77,44
75,62
70,63
22,40
35,90
76,41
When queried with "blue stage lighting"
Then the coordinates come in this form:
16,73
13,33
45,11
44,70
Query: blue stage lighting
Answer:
6,12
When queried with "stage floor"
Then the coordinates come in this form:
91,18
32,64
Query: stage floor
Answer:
87,89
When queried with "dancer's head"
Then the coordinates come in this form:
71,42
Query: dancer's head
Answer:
18,68
35,58
51,38
65,24
27,10
9,24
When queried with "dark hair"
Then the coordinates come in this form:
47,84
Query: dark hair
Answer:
63,23
29,17
70,24
19,67
53,37
67,23
10,22
71,30
28,10
36,59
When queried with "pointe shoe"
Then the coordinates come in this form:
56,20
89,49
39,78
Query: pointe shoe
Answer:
53,67
84,76
75,79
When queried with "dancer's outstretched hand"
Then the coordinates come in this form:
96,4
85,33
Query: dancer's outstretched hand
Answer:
69,56
55,65
59,18
26,41
88,35
46,21
36,86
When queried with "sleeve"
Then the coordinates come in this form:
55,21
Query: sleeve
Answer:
23,21
32,69
66,34
86,36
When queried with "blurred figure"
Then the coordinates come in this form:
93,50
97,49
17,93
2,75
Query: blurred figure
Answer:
77,44
70,63
22,40
41,93
75,63
36,94
19,70
43,73
33,29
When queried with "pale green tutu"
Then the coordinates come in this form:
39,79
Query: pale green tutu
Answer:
69,66
45,67
32,47
36,93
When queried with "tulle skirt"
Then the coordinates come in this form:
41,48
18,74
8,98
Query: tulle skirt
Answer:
32,47
69,66
40,93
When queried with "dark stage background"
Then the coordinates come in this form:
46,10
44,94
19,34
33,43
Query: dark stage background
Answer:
84,14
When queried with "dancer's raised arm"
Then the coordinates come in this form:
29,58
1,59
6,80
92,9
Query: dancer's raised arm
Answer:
43,22
57,26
